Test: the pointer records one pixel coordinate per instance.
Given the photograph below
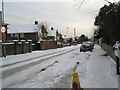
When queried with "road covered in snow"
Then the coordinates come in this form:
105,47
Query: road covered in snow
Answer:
54,68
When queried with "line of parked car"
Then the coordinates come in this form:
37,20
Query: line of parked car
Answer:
87,46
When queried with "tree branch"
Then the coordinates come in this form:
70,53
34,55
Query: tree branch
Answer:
108,1
79,3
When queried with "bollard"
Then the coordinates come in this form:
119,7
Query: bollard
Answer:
75,82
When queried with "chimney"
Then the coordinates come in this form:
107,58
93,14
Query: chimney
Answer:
36,22
51,28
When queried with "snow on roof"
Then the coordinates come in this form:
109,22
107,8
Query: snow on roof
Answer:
28,28
51,33
64,37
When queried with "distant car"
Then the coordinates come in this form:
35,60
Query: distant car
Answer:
73,43
86,47
59,45
91,44
64,45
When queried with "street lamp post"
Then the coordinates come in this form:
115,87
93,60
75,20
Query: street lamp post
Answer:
67,31
74,33
0,34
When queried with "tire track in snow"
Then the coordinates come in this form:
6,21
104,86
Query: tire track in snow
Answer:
65,80
31,76
30,59
8,72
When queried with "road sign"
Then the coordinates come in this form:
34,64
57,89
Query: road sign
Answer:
2,29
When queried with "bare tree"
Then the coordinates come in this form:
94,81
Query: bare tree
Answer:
46,24
79,3
108,1
42,31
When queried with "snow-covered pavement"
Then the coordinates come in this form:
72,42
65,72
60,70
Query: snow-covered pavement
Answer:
95,70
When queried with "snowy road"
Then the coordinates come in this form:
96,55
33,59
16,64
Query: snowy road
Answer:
55,70
12,68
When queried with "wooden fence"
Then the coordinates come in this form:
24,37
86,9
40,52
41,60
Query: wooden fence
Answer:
17,47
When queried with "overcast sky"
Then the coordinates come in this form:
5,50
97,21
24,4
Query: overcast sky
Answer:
59,14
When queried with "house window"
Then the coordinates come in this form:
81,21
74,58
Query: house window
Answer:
16,34
22,35
12,35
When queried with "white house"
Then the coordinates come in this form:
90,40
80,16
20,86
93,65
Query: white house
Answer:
52,33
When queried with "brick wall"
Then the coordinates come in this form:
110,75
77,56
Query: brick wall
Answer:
48,45
18,48
10,49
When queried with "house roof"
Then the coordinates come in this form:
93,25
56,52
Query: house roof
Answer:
64,37
27,28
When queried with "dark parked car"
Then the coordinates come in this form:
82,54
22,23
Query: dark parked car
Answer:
86,47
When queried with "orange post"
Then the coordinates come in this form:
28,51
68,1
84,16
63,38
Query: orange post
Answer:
75,82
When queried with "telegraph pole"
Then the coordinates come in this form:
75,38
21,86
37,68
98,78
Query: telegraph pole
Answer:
2,13
0,34
3,34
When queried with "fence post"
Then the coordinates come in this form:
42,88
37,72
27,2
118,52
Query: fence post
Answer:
117,65
15,46
23,46
30,45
